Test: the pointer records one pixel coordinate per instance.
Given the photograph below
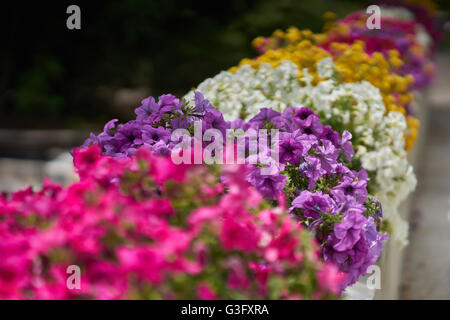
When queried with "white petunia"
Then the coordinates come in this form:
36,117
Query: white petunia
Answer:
325,68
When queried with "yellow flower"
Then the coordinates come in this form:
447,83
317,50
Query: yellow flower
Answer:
257,42
394,59
352,64
411,133
279,34
406,98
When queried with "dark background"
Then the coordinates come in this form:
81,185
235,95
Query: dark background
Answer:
52,77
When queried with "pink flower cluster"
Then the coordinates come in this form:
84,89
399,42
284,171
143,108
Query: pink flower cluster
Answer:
394,35
143,228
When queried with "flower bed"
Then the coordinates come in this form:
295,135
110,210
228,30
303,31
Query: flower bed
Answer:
159,211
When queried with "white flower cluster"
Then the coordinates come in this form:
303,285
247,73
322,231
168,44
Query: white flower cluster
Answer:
325,68
396,12
395,178
243,93
357,107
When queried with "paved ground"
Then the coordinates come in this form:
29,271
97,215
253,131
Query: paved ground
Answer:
426,268
427,260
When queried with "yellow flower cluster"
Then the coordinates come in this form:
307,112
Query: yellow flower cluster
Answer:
303,54
352,65
292,36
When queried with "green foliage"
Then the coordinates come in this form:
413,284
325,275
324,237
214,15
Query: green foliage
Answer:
37,93
158,45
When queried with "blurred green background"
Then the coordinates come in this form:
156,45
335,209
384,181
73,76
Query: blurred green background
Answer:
52,77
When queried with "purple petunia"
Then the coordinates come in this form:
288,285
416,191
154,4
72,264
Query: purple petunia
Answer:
310,168
313,204
290,149
333,136
354,246
201,104
152,135
324,190
148,107
327,155
307,121
348,232
264,116
269,185
213,119
127,138
302,114
346,145
352,188
154,124
345,203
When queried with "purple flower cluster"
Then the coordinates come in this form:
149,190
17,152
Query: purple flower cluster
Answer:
307,149
354,245
323,192
311,171
155,121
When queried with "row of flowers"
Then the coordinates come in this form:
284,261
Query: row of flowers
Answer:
140,226
356,79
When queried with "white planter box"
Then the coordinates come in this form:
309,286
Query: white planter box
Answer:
391,260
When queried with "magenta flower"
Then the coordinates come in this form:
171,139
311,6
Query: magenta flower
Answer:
204,292
236,235
141,226
330,278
